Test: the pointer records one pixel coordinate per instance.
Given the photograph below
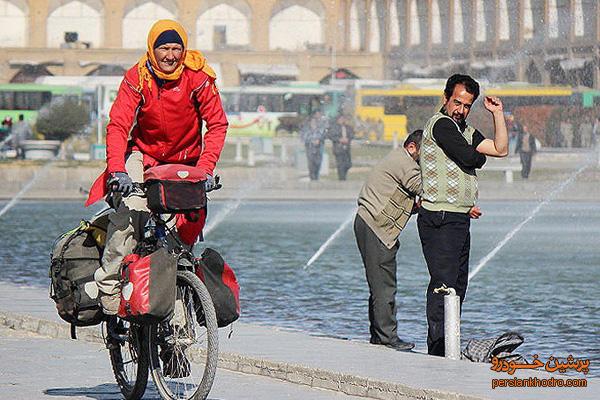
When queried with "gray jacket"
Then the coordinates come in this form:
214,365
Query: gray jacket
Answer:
386,199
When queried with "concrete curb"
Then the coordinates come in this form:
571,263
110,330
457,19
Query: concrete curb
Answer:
293,373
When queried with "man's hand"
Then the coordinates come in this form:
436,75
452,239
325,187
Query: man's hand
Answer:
475,212
212,183
499,146
416,205
120,182
493,104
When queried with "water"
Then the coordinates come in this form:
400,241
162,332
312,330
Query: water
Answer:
532,214
27,186
543,283
331,238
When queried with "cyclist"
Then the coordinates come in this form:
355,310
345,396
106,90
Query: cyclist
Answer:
156,119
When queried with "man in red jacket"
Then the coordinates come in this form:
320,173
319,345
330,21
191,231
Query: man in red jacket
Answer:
156,119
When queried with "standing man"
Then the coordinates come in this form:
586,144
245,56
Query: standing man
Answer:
341,134
526,147
451,151
595,132
515,129
385,204
313,135
21,131
156,119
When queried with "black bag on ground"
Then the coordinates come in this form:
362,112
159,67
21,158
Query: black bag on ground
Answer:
483,350
75,257
220,280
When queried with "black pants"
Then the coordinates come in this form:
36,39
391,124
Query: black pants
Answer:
525,164
343,161
380,268
446,241
314,158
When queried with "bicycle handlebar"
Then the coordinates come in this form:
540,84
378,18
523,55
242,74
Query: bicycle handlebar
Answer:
139,189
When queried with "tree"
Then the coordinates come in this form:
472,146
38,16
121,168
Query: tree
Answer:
62,118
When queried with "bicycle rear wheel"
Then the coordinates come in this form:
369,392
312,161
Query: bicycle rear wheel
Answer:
129,359
184,351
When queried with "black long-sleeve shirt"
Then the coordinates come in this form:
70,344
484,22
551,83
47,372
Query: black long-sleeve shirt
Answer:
456,147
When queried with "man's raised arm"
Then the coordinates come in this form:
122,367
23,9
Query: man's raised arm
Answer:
499,146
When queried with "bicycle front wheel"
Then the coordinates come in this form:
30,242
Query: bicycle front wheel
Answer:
184,351
129,358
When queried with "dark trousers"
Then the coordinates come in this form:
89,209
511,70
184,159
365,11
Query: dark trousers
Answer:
525,164
343,161
314,158
445,239
380,268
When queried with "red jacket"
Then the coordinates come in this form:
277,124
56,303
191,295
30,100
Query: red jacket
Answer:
164,123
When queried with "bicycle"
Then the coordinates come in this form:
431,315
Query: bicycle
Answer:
180,354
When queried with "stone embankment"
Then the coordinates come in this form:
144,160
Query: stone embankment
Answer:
70,180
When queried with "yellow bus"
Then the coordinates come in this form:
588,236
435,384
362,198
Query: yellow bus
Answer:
382,113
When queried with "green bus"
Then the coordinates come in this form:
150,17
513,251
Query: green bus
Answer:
29,98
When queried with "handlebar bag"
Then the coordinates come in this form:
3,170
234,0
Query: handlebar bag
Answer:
148,288
175,188
220,280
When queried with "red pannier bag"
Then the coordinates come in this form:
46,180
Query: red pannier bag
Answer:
175,188
148,288
222,285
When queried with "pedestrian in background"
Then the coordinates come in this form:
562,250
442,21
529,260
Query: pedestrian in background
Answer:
21,131
526,147
595,132
515,129
313,134
341,134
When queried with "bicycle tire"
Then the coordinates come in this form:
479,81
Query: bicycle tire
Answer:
131,351
200,318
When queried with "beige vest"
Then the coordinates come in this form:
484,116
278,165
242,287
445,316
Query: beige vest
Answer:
387,197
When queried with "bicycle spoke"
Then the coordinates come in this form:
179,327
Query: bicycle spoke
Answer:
182,365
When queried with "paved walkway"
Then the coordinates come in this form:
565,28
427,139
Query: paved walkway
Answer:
349,367
22,376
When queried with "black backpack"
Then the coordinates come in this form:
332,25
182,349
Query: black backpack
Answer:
76,255
483,350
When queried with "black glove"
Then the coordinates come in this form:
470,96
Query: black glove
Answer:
212,183
120,182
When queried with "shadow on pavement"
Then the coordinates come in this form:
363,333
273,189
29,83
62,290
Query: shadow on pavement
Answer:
105,391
